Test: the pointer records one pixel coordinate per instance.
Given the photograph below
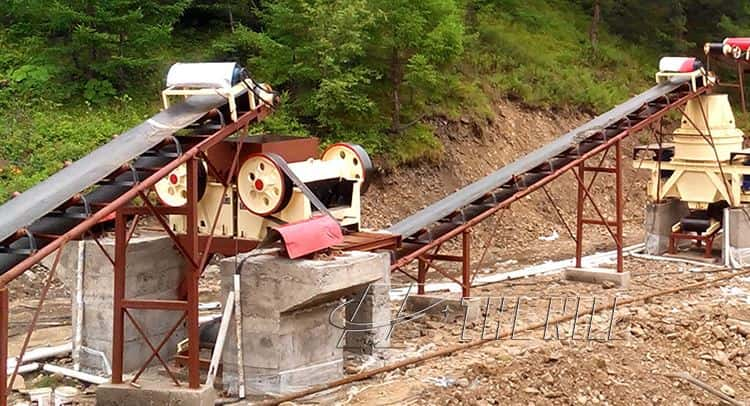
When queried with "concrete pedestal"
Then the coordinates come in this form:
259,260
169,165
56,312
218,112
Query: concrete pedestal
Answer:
153,393
292,318
154,271
738,238
660,217
598,275
368,318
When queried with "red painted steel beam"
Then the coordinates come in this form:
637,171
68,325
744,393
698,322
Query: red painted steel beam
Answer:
4,313
547,179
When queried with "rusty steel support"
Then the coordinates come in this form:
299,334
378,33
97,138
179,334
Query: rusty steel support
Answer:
123,209
427,261
619,204
35,317
4,315
421,275
466,264
579,216
681,100
118,320
585,192
192,276
741,78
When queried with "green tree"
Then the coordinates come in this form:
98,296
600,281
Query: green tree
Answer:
660,25
414,42
97,43
315,50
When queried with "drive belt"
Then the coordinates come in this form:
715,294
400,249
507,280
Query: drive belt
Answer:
282,165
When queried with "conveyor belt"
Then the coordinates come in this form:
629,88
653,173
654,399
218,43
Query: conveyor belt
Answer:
45,197
469,202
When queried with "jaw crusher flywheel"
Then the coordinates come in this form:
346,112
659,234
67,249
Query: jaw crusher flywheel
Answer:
172,189
262,186
356,160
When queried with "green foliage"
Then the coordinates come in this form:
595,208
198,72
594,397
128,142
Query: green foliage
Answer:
98,91
675,26
417,141
36,144
351,67
364,71
544,58
113,41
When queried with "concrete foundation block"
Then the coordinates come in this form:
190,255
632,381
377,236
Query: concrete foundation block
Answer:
738,226
659,219
597,275
154,271
469,309
368,318
293,318
153,393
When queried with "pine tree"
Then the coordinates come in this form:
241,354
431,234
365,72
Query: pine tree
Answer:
414,41
103,43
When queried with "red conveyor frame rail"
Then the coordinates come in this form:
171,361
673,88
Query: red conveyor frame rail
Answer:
426,250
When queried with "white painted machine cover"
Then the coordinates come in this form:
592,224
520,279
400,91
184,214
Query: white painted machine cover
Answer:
208,75
678,64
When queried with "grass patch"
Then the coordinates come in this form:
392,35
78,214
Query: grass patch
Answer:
37,142
539,52
418,144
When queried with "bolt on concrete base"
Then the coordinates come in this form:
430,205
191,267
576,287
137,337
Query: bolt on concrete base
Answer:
153,393
597,275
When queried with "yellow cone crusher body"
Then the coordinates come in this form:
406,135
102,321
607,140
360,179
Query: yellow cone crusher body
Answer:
705,166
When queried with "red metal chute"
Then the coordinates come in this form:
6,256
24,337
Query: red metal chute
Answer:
309,236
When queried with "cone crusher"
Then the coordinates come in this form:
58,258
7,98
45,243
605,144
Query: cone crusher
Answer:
704,166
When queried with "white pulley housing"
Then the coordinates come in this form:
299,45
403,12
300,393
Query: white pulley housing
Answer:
209,75
264,189
262,186
172,189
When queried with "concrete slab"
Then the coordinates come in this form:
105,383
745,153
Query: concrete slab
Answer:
153,393
597,275
453,309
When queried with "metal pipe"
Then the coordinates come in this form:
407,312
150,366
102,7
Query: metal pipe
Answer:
78,323
118,320
192,277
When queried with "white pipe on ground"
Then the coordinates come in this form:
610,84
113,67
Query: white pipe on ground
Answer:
41,353
24,369
546,268
671,259
81,376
